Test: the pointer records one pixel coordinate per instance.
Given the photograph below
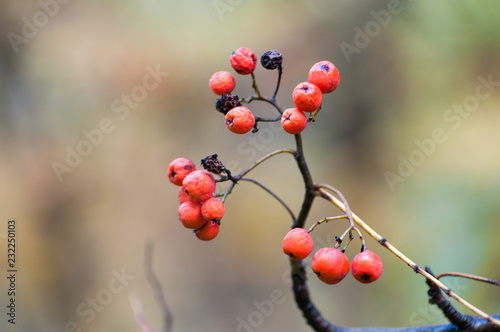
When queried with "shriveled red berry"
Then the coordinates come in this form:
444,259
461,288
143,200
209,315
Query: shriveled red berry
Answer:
325,76
190,215
293,121
178,169
199,185
330,265
243,61
367,267
240,120
208,231
297,244
213,209
183,196
307,97
222,82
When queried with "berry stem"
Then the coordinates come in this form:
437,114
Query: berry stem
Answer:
280,72
405,259
468,276
272,194
259,119
326,219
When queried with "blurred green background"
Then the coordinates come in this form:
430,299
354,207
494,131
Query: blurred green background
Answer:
399,83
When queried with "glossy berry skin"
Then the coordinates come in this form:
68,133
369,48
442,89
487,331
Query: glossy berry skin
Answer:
222,82
190,215
293,121
208,231
240,120
213,209
330,265
178,169
366,267
297,244
325,76
199,185
243,61
183,196
307,97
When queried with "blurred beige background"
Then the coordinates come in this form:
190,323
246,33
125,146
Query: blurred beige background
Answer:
407,69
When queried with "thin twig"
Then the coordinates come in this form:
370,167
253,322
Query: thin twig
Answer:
405,259
469,276
326,219
157,288
280,72
272,194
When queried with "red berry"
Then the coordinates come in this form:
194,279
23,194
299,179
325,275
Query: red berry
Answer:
325,76
240,120
243,60
330,265
208,231
199,185
222,82
366,267
297,244
293,121
307,97
183,196
213,209
190,215
178,169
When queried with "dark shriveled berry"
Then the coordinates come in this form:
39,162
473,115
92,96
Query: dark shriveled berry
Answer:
227,102
213,165
271,60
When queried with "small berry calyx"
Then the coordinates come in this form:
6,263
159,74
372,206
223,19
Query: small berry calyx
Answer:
240,120
293,121
307,97
330,265
325,76
243,61
199,185
297,244
178,169
213,209
208,231
366,267
227,102
222,82
271,60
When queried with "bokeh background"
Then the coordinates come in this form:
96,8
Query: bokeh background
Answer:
397,87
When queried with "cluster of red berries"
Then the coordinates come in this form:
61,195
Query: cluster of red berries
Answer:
239,119
323,78
307,96
198,209
331,264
